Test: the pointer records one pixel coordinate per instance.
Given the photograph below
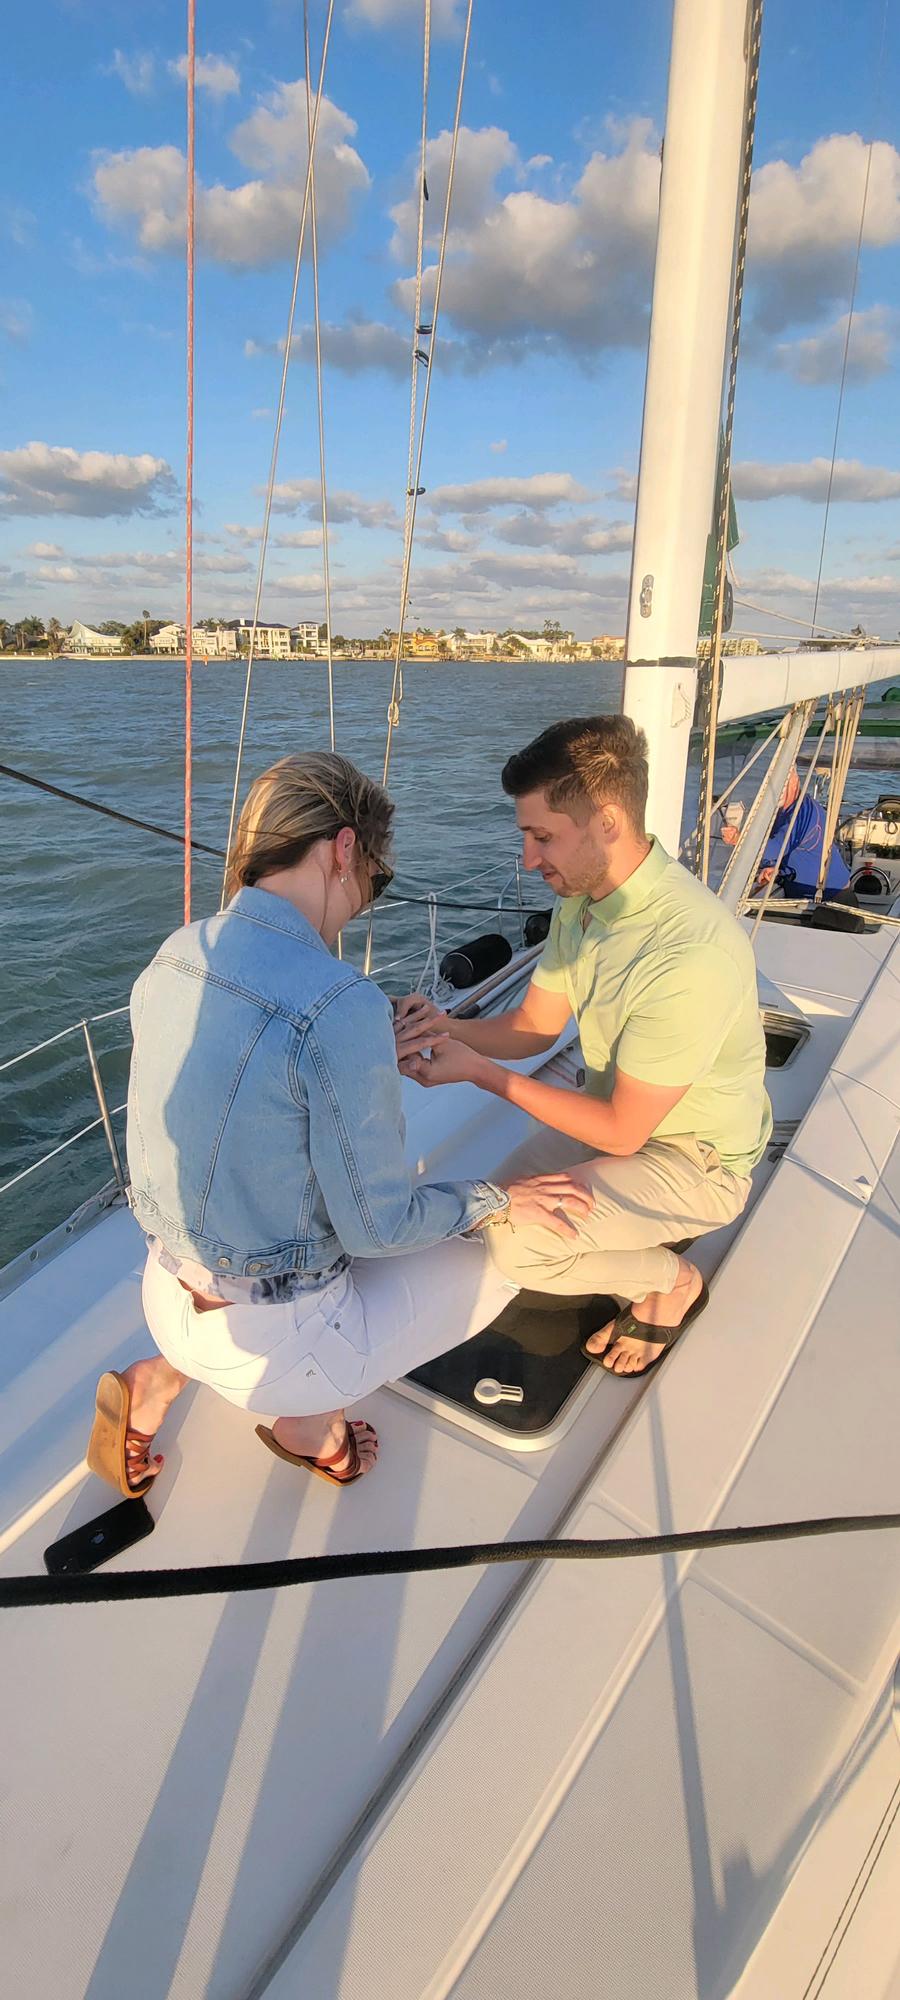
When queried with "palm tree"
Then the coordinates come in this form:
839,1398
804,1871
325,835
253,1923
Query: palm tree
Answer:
146,618
55,635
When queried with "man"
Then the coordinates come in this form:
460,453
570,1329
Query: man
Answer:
798,873
662,982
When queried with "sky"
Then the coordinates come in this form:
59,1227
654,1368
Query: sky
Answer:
533,426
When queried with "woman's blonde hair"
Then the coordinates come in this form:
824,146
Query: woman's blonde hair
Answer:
299,801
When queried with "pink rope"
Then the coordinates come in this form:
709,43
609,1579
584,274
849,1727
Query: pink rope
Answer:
189,469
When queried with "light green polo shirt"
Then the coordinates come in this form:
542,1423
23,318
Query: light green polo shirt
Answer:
662,982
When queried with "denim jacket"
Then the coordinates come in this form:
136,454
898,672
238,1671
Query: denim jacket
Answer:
265,1131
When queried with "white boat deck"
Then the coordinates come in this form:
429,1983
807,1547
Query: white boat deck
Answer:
265,1793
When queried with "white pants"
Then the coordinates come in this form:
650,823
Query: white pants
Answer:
381,1318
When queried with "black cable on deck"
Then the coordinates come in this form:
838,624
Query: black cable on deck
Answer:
120,1586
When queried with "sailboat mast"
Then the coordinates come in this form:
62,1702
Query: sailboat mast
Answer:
689,327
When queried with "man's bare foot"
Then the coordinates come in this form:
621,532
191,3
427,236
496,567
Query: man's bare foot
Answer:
629,1357
318,1437
153,1387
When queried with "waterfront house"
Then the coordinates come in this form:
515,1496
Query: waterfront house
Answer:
83,639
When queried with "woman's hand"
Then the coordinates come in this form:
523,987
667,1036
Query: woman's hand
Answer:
417,1024
450,1062
550,1199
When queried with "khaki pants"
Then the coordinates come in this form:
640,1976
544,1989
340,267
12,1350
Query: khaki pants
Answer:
672,1188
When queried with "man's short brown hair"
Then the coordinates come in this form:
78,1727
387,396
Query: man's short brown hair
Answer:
583,764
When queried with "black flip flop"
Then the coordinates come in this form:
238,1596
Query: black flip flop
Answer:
626,1327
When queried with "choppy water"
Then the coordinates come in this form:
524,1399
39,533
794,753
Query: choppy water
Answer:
85,902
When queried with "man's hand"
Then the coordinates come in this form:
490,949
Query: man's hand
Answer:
450,1062
731,835
551,1199
765,876
417,1024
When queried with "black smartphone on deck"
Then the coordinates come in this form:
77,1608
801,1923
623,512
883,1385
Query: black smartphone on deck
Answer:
97,1540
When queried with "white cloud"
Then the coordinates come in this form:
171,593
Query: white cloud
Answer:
804,225
45,550
137,72
808,480
820,357
296,496
454,540
525,272
624,486
584,535
480,159
261,414
17,223
54,479
304,538
255,223
390,13
16,318
241,533
498,446
538,489
211,73
360,344
357,345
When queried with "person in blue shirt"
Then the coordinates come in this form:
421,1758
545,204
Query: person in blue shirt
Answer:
802,857
798,872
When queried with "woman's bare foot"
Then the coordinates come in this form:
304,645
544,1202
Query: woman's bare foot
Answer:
318,1437
153,1387
630,1357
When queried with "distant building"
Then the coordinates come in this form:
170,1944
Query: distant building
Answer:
305,638
607,647
82,639
537,649
416,645
273,642
471,645
219,644
169,639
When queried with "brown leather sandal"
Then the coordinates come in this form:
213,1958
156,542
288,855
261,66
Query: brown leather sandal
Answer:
320,1465
114,1448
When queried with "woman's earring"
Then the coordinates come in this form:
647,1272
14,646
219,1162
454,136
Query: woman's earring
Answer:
345,879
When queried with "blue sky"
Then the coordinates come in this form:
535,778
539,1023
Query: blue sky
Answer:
534,424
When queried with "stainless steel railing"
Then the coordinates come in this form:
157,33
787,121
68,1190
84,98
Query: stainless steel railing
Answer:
470,883
106,1115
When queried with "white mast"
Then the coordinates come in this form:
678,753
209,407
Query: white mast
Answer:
682,400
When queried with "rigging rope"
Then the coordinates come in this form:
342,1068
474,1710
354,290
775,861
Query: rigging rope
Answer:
314,221
420,357
189,468
850,711
206,1580
770,885
415,486
107,812
709,681
852,307
414,483
279,418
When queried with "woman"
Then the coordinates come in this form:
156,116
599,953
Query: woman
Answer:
293,1266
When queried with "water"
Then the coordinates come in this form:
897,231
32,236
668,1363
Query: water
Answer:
86,901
